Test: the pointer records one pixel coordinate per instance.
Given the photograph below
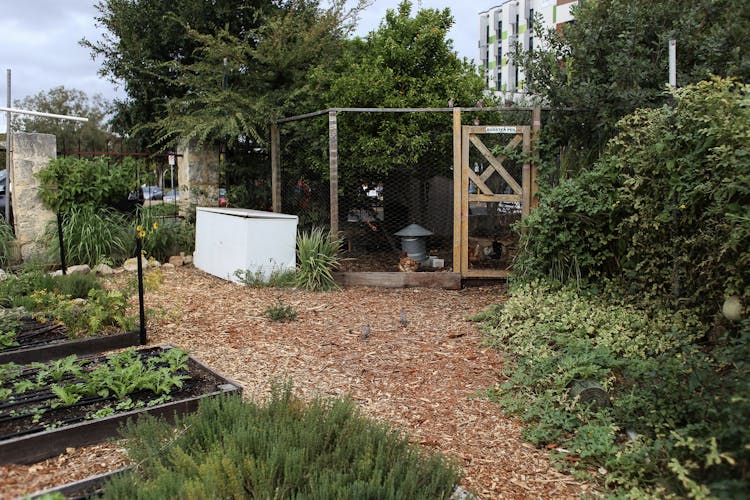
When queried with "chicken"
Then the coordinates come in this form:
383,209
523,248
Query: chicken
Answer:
407,264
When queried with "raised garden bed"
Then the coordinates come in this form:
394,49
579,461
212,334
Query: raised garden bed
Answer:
46,340
73,402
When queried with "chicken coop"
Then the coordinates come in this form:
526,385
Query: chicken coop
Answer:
457,184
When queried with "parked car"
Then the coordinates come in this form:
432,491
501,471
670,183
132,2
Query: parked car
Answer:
223,197
172,195
3,175
152,192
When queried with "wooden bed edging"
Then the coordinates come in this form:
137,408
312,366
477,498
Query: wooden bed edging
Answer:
35,447
80,347
448,281
83,488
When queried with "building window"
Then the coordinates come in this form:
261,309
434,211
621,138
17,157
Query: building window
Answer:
499,80
499,30
487,35
515,26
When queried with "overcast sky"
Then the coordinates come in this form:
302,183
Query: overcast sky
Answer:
39,42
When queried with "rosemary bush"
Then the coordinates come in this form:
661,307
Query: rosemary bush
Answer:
283,449
317,256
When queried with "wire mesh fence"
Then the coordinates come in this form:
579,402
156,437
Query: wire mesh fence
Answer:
388,181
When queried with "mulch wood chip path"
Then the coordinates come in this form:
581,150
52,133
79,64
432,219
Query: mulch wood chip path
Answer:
427,378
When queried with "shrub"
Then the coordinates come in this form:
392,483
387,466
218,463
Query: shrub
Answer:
317,256
283,449
667,206
91,236
679,420
76,285
68,182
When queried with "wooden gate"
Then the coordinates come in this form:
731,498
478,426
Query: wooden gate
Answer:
471,187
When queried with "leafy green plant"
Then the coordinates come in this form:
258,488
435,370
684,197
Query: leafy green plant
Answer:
285,448
317,256
8,329
281,312
69,183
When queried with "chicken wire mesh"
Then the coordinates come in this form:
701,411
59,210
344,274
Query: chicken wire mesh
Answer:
385,186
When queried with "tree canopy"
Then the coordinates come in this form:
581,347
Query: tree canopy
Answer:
614,59
71,135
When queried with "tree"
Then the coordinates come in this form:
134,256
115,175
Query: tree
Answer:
71,135
614,59
143,38
406,62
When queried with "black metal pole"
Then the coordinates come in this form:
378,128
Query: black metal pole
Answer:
62,243
141,310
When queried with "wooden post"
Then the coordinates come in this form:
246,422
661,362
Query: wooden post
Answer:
536,125
275,168
333,160
457,192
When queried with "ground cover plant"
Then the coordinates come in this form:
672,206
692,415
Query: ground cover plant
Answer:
284,448
78,301
42,396
677,422
6,239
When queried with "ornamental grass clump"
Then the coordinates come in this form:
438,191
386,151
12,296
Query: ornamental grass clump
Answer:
317,256
6,240
283,449
92,235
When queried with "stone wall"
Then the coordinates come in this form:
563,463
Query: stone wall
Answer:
31,153
198,176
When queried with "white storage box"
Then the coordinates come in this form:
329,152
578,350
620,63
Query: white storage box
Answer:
237,239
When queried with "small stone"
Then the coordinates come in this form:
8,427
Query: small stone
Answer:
154,263
3,275
167,266
56,273
79,269
188,259
78,301
176,260
103,269
132,264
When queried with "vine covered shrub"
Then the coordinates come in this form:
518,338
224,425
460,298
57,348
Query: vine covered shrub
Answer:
283,449
678,421
667,206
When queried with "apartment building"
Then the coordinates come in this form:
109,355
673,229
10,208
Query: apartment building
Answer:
508,24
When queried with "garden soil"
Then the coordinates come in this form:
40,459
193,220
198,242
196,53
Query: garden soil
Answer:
428,378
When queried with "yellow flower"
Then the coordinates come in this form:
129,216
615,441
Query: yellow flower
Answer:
156,225
139,228
142,234
683,206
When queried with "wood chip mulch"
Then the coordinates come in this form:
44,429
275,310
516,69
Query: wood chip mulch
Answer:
426,378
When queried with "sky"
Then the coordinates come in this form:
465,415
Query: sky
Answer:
39,42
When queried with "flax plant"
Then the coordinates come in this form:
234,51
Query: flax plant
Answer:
317,253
